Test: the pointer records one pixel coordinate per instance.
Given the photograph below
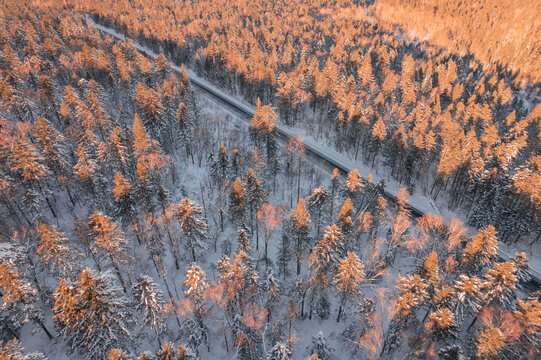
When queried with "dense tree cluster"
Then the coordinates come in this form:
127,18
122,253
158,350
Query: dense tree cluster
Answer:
139,226
440,120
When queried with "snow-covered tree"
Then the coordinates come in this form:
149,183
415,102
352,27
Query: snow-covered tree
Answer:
316,204
255,196
279,351
189,218
320,347
322,263
92,314
150,302
348,279
110,240
196,284
482,249
300,228
117,354
237,201
54,250
12,350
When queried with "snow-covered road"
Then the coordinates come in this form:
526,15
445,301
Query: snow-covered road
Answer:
419,203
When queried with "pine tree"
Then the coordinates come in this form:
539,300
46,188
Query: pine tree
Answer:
237,202
320,347
19,297
272,293
443,320
255,196
243,240
529,313
142,142
123,195
12,350
490,343
110,239
188,216
86,166
119,149
55,251
196,284
344,220
348,279
316,203
412,293
322,262
219,168
482,249
300,227
25,157
279,351
335,182
52,144
149,301
149,104
378,135
166,352
353,184
262,128
500,282
117,354
92,314
469,294
365,72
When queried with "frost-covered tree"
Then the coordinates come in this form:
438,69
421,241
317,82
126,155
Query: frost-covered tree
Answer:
54,250
348,280
501,282
12,350
196,284
255,196
322,263
150,302
19,297
237,201
316,204
279,351
272,293
482,249
335,185
109,239
189,218
469,294
300,228
92,314
344,220
320,347
413,293
117,354
53,146
354,184
123,195
262,128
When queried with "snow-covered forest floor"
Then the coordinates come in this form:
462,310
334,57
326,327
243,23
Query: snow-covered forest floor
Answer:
144,219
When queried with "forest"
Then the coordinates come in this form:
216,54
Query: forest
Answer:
326,179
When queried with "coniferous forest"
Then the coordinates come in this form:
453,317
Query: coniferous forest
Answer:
326,179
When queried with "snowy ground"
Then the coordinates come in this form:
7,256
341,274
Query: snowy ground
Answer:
306,328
